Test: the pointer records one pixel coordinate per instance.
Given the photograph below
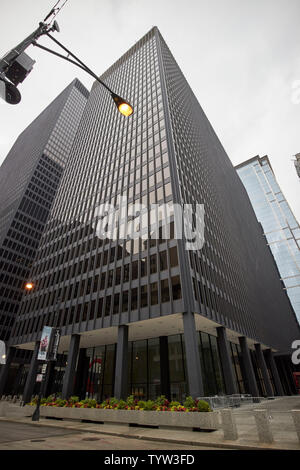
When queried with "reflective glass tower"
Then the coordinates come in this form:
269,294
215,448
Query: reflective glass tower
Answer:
146,316
280,227
29,178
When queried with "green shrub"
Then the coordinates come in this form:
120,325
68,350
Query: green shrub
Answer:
131,401
73,400
90,402
189,402
161,401
141,404
203,406
149,405
61,402
174,403
50,399
121,405
113,401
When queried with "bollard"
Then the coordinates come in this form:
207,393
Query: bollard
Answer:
229,425
263,426
296,419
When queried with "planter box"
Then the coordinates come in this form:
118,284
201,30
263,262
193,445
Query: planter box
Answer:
208,421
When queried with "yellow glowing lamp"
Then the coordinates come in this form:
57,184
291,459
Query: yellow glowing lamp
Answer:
124,108
29,285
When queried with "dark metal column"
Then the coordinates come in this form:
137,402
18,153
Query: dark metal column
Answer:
250,380
5,369
193,365
274,370
227,366
121,372
82,374
264,370
69,377
17,379
31,377
164,367
48,378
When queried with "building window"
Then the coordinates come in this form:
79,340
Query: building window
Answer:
165,294
154,293
176,287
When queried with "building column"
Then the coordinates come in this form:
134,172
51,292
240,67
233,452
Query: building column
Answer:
17,380
121,372
225,356
250,379
81,374
5,368
264,370
164,367
31,377
69,377
274,370
193,365
49,378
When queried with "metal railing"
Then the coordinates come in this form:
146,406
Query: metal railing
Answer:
231,401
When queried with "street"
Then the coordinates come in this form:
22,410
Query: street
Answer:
23,436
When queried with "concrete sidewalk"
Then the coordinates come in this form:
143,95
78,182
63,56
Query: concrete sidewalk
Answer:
285,437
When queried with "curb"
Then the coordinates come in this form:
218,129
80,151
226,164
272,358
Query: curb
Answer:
222,445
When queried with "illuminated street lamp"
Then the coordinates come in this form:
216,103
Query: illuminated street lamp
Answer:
122,105
29,286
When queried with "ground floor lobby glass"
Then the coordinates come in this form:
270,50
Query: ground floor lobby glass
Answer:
156,366
144,368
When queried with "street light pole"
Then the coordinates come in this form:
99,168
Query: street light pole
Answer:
8,59
36,413
15,66
123,106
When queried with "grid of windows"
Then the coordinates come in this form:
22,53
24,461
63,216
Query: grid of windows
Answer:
77,274
165,152
29,192
233,276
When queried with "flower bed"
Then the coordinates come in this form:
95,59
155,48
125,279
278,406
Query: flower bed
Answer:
160,412
160,404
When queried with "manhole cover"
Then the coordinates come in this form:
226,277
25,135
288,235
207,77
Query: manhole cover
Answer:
37,440
91,439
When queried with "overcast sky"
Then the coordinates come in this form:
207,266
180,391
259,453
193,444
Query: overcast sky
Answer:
241,58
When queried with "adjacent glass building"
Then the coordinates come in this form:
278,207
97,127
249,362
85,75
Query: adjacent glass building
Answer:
146,316
281,229
29,178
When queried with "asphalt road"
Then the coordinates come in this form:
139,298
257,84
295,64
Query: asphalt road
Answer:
21,436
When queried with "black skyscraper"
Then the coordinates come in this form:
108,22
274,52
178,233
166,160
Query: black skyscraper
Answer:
147,316
29,178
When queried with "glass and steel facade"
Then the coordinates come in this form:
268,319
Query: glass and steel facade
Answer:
172,303
281,229
29,178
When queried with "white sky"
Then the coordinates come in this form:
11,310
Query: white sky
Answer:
241,58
